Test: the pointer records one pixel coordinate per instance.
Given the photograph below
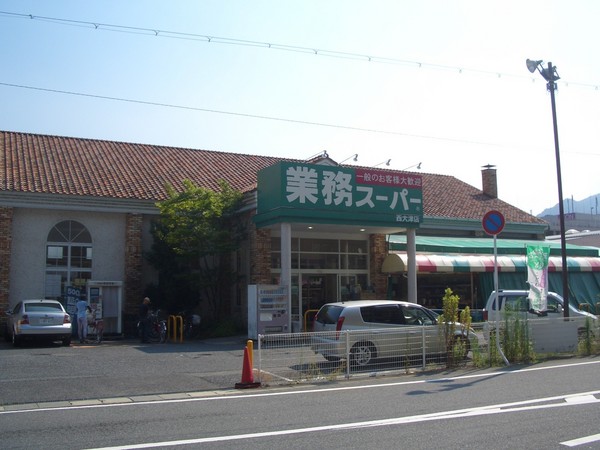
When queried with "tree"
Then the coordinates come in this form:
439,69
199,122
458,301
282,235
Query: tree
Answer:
448,323
194,238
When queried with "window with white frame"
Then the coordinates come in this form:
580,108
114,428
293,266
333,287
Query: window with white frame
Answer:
68,258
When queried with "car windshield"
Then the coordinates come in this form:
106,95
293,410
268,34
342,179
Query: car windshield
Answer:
42,307
329,314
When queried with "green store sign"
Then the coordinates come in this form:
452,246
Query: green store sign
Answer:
297,192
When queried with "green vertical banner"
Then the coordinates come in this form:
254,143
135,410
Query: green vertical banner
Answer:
537,276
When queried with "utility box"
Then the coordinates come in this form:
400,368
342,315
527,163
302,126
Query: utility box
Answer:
268,310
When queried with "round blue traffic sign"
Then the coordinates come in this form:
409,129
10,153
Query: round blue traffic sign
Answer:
493,222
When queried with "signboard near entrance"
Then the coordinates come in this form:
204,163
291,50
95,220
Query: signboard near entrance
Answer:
293,192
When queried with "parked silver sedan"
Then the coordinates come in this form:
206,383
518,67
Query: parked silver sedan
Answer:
38,319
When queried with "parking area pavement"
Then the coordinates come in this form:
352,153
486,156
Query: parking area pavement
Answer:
117,369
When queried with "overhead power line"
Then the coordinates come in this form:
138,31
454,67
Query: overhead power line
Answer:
263,117
275,46
239,114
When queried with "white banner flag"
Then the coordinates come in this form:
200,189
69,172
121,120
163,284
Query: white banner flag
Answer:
537,276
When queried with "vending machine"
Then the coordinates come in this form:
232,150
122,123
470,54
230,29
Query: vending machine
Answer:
105,299
268,310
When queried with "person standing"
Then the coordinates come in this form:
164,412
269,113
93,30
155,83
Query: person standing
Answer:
98,321
82,309
143,318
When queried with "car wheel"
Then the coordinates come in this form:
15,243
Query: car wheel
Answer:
362,353
66,341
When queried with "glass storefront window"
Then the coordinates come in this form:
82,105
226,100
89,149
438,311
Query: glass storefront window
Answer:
352,286
347,246
323,254
330,270
354,261
310,261
319,245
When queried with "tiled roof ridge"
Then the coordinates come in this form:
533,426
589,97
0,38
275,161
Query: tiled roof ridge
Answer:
132,143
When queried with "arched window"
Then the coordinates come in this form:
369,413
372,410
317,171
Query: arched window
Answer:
68,258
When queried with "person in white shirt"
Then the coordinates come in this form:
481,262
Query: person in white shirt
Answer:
82,309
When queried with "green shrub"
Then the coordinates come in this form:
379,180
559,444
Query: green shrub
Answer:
515,341
449,319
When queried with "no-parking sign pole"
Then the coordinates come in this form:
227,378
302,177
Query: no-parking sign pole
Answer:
493,223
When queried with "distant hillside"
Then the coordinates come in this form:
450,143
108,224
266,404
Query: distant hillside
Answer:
588,205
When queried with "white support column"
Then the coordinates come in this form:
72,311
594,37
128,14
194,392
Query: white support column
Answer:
411,251
286,267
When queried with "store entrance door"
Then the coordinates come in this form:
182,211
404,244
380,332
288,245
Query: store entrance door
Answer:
316,290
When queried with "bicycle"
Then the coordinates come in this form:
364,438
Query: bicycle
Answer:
157,328
191,326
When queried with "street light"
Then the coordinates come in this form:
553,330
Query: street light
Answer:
551,76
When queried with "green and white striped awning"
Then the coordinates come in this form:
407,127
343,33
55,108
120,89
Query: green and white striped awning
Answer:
397,262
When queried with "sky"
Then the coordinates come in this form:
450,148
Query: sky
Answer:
438,82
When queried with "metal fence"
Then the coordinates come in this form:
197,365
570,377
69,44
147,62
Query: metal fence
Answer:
550,335
325,356
314,357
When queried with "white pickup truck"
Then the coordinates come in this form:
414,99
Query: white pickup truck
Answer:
516,301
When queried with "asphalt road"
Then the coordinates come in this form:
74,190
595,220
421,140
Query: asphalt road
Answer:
38,373
548,405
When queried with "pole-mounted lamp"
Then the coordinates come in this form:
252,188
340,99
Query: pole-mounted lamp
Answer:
321,154
387,163
353,157
417,166
551,76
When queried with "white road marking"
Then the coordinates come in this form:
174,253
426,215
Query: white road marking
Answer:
469,412
580,441
582,399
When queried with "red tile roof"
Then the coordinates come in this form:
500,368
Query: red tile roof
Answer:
73,166
447,196
85,167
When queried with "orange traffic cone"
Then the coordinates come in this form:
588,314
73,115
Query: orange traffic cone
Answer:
247,374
